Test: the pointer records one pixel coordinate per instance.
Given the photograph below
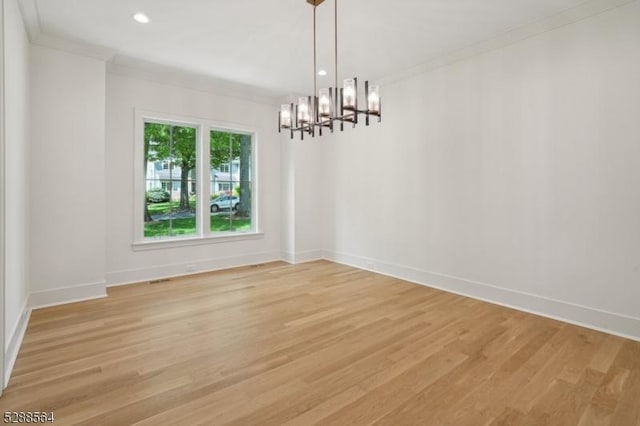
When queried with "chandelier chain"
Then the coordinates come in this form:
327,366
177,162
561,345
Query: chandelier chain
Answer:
335,39
315,78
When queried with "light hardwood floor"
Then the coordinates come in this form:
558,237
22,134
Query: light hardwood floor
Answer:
316,343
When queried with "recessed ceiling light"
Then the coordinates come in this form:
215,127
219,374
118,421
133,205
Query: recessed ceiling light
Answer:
322,73
141,17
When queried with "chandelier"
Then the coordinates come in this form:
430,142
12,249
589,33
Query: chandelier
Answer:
332,105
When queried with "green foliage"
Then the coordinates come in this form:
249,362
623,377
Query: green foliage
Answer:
165,228
158,195
222,223
225,147
177,143
187,226
168,207
156,141
163,141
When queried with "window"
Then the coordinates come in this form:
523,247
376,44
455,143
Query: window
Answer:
198,180
231,206
169,211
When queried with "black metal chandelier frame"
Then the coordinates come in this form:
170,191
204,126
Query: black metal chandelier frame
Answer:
335,104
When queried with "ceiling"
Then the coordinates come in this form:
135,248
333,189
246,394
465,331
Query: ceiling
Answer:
268,43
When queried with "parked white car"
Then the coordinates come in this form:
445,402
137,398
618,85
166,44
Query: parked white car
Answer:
225,202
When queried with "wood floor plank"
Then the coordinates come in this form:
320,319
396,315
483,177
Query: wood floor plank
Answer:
317,343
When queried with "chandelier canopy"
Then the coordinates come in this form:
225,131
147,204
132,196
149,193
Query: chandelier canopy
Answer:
329,105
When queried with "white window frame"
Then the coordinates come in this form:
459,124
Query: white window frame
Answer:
203,232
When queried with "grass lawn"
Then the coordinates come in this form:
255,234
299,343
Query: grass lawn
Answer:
187,226
163,208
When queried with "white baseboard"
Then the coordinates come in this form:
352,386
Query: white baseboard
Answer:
132,276
288,257
60,296
302,256
608,322
308,256
14,343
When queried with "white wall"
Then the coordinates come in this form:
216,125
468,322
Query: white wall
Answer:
512,176
17,172
288,206
124,264
67,220
303,180
311,176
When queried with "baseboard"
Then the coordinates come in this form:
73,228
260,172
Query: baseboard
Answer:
132,276
608,322
308,256
60,296
288,257
301,256
14,343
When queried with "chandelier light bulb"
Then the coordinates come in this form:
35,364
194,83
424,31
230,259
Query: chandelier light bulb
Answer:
285,116
349,94
373,102
324,103
303,110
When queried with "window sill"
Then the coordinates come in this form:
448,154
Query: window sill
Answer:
194,241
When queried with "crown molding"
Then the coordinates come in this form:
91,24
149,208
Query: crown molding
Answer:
33,25
138,68
76,46
31,18
584,11
163,74
118,64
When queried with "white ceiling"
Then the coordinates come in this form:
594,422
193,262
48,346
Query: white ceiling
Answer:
268,43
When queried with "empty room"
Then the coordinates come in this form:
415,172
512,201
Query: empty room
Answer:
333,212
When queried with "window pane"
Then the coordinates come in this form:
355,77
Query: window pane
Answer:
170,162
230,183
